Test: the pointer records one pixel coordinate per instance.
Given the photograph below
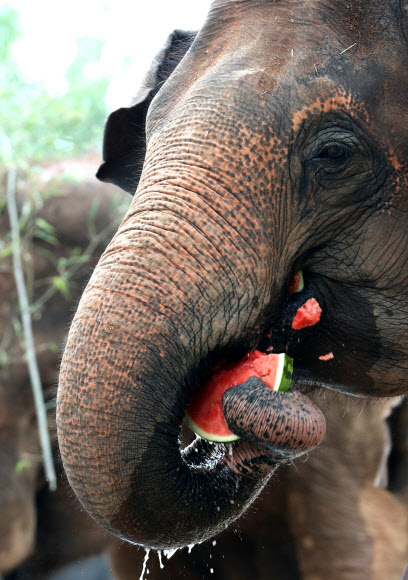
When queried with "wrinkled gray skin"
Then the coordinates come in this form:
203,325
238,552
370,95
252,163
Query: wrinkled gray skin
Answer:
258,163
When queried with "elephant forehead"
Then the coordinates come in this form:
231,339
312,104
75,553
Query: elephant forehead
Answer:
305,39
269,49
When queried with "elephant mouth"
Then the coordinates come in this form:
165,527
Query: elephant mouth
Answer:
275,334
276,337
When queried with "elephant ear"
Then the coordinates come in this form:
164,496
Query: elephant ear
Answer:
124,142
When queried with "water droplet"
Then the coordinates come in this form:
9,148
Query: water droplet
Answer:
144,563
190,547
214,542
211,570
160,559
169,553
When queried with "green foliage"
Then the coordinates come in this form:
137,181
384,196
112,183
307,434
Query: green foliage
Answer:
45,231
36,125
6,250
21,465
62,285
9,31
18,329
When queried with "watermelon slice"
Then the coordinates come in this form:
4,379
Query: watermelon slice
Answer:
204,412
297,283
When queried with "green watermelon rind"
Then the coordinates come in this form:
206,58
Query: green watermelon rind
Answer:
282,384
209,436
301,283
284,373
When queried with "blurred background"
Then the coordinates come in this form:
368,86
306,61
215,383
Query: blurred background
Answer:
64,68
66,62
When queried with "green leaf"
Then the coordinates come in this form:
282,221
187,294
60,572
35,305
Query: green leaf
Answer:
18,329
21,465
45,231
62,263
61,285
44,225
6,251
46,237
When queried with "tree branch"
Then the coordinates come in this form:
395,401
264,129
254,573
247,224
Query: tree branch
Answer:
28,333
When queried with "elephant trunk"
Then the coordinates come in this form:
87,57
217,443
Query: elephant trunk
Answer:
162,299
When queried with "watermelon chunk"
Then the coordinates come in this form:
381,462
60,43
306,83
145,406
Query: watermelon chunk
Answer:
204,413
307,315
327,356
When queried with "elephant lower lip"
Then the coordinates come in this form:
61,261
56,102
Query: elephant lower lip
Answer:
287,423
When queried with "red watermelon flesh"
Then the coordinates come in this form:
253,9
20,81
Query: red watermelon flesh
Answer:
204,412
307,315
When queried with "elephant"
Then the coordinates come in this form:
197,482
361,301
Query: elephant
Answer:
67,220
278,144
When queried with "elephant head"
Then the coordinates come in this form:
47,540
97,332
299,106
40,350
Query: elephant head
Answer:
278,144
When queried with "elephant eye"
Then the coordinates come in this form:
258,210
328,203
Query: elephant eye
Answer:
336,153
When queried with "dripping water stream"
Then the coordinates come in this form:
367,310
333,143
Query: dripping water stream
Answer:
145,563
